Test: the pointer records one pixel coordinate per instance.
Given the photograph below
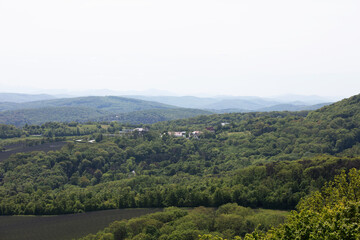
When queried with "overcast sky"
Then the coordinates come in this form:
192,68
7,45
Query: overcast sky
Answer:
236,47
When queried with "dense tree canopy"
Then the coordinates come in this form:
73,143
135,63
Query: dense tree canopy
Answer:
259,160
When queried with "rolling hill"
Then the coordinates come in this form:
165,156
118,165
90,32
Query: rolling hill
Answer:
158,115
108,103
85,114
225,104
50,114
261,160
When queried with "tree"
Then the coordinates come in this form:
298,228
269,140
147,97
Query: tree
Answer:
84,181
99,137
333,213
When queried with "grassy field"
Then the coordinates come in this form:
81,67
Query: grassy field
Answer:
63,227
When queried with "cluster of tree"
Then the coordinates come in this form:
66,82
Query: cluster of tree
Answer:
241,161
61,129
136,172
332,213
173,223
155,115
9,131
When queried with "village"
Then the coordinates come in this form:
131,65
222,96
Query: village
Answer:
130,132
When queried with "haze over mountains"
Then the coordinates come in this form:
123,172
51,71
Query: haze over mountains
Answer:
92,108
20,109
21,97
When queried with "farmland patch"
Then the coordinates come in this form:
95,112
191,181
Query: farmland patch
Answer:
63,227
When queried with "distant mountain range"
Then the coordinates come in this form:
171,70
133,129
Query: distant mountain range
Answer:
22,97
83,109
108,103
20,109
224,104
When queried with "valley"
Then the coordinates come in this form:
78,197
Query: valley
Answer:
252,161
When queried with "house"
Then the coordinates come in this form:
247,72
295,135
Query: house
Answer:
141,129
195,134
177,134
224,124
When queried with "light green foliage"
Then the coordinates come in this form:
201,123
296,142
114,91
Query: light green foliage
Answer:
259,160
147,170
333,213
175,223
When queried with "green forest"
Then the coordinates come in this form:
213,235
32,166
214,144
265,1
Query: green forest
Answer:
228,176
93,108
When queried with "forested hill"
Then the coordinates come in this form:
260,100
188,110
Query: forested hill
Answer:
347,109
255,159
223,104
331,129
52,114
108,103
85,114
84,109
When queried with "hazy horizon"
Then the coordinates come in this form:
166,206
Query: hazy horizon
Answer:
198,48
61,93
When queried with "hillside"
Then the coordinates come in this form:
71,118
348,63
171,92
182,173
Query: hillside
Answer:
260,160
86,114
51,114
85,109
347,109
158,115
182,101
292,107
226,104
108,103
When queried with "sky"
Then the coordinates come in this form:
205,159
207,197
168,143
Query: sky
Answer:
188,47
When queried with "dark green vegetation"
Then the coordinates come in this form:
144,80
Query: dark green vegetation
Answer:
86,109
259,160
234,164
51,114
173,223
63,227
332,213
158,115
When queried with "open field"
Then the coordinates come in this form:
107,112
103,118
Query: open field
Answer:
63,227
21,148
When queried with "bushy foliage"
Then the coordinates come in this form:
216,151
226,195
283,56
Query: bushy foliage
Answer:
174,223
268,160
9,131
135,172
333,213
